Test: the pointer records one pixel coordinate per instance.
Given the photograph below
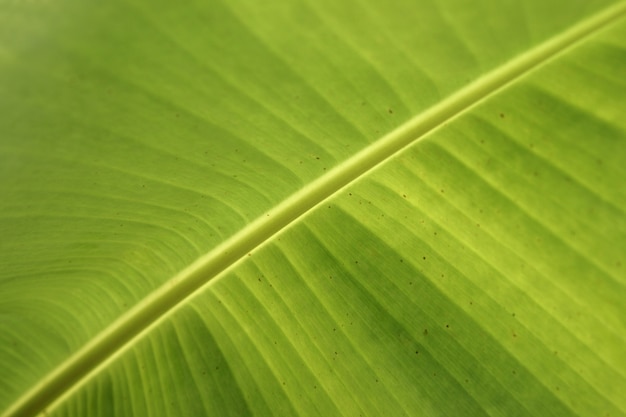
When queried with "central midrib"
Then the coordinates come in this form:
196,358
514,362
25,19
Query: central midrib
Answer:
149,312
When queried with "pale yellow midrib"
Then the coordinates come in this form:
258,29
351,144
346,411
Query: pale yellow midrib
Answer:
112,342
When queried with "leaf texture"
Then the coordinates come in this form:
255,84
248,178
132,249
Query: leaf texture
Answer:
476,272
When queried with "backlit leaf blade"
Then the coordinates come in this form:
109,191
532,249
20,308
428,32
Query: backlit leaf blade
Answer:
513,305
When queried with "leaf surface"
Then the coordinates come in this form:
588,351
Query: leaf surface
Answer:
312,208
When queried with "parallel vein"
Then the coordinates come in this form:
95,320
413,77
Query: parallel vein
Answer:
152,310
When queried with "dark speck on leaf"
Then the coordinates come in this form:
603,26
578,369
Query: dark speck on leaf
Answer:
425,332
390,111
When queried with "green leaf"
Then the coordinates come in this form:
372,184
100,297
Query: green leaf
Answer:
312,208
